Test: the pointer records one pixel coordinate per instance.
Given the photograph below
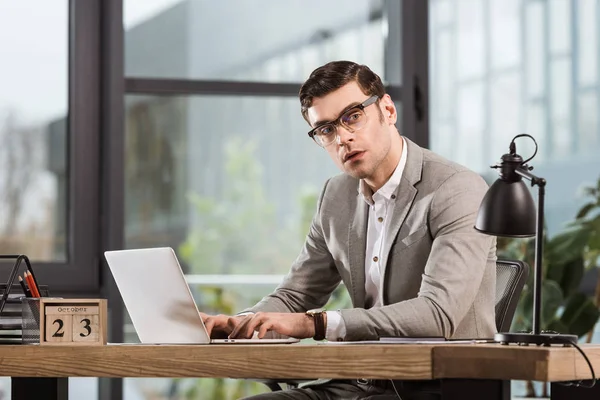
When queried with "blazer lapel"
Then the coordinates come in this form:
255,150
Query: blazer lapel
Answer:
405,195
357,243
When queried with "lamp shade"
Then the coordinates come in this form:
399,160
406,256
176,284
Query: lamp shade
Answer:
507,209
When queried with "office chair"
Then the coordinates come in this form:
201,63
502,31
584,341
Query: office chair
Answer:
511,276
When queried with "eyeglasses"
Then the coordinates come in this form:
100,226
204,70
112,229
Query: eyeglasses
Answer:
352,120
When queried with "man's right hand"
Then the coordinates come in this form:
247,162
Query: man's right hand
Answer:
220,326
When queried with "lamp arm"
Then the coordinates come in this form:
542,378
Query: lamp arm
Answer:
523,171
539,244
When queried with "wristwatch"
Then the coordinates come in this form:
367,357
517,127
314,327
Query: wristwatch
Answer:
318,317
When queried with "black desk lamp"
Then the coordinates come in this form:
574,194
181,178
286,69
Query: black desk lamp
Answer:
508,210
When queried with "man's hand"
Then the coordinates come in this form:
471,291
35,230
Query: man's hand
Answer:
296,325
220,326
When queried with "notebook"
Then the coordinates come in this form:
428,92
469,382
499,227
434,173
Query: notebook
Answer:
159,301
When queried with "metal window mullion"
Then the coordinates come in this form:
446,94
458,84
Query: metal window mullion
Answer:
112,148
190,87
415,71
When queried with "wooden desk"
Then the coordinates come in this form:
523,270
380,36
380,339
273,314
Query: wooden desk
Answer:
456,365
547,364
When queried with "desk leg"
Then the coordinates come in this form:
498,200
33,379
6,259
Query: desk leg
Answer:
475,389
561,392
40,388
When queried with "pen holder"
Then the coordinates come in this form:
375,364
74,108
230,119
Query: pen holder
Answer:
30,311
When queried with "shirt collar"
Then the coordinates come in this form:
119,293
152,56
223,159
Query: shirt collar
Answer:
386,191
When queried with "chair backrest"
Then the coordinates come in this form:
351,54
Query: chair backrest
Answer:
511,276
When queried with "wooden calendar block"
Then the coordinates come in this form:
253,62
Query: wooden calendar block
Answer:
58,328
73,321
85,328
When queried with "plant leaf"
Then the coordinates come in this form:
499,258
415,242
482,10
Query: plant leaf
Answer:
568,275
552,299
568,245
594,240
580,314
591,191
522,318
557,325
585,210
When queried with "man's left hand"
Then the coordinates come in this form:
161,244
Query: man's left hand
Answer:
296,325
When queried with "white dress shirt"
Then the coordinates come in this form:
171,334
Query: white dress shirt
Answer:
380,204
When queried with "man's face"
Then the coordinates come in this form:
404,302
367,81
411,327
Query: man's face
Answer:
359,154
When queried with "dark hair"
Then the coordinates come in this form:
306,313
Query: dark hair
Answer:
333,76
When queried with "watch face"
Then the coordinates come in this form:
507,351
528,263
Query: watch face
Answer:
314,311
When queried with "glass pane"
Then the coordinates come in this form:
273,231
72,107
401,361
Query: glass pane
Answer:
560,73
470,39
195,176
504,16
560,21
535,125
33,106
505,93
470,120
443,11
534,46
488,115
588,42
444,69
249,40
588,125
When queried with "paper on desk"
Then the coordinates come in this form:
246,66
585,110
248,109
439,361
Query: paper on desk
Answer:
414,341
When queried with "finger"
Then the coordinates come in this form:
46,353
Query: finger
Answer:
233,322
254,325
209,324
203,315
240,327
264,328
246,329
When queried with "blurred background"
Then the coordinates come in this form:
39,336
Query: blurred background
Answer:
146,123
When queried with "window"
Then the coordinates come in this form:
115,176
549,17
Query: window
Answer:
49,195
530,79
257,40
33,106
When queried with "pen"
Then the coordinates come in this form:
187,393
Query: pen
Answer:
25,290
31,283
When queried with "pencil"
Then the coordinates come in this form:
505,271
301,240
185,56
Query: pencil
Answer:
31,283
25,290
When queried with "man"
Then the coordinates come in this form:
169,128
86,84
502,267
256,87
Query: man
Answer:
396,228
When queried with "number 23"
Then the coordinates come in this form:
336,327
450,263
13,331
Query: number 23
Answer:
86,325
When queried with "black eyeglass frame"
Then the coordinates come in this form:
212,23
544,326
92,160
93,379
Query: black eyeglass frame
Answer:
338,121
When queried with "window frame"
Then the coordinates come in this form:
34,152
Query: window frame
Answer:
80,272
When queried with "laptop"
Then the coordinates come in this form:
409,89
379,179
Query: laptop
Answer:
159,300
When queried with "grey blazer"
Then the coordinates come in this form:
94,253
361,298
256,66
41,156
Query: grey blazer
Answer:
440,274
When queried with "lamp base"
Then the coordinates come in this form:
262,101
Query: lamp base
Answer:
544,339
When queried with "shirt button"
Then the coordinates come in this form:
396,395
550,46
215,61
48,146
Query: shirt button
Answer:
393,196
380,219
375,258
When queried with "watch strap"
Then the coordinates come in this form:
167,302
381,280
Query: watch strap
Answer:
319,321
